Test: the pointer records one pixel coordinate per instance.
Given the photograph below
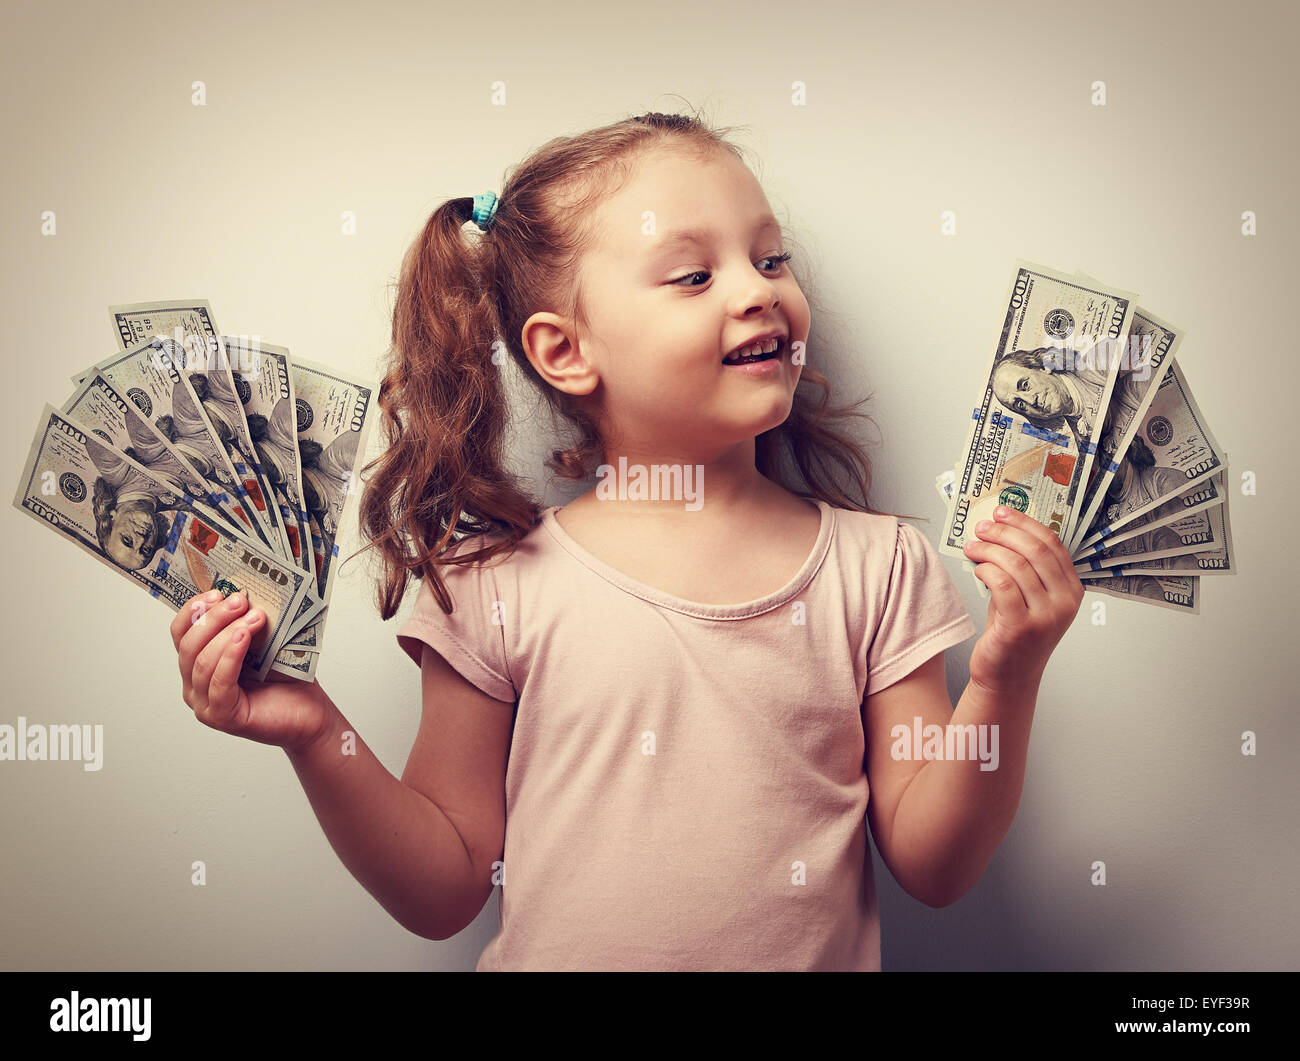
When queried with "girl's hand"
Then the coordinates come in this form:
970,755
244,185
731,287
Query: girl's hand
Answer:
210,646
1035,596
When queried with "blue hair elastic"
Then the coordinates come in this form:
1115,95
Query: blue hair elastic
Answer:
485,210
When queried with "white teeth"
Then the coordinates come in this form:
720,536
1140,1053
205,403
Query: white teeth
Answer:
766,347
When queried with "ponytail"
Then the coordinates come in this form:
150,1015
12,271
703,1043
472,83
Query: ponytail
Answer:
444,416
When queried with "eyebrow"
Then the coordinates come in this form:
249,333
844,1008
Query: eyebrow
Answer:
701,236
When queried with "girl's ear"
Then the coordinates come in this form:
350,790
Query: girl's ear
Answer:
550,344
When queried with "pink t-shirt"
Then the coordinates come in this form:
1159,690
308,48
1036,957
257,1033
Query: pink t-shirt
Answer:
685,788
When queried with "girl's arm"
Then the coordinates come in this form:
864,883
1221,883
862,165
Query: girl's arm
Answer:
937,823
430,868
423,846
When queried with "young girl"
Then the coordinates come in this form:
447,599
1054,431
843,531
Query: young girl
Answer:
659,722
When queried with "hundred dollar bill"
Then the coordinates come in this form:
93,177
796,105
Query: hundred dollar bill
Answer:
1034,433
266,391
297,663
317,539
265,388
147,374
310,637
182,321
1186,564
1178,592
1203,539
210,374
946,484
141,526
141,320
191,329
209,364
317,546
1155,343
1172,451
307,613
335,413
98,407
1203,495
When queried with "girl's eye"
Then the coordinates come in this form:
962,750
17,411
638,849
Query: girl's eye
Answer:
778,258
688,276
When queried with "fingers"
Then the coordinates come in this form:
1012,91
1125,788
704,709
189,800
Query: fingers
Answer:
205,663
191,611
207,622
1043,549
215,644
1008,599
223,689
1055,546
1022,573
1032,540
202,648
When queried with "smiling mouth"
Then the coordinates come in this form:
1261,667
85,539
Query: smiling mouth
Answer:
780,349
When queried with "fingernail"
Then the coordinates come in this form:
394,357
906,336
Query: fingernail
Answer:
982,526
254,617
212,596
237,600
1002,512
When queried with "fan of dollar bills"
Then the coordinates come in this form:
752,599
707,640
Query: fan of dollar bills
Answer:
190,460
1087,424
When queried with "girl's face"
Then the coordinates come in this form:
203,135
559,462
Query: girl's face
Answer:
664,310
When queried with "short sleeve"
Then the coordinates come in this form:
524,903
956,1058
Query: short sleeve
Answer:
469,638
922,615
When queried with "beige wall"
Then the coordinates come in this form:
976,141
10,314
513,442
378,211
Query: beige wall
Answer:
384,109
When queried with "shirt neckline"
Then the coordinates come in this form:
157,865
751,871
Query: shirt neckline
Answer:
696,608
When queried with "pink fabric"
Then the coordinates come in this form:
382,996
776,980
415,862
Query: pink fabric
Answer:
685,789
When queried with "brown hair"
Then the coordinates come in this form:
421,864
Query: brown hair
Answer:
460,304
